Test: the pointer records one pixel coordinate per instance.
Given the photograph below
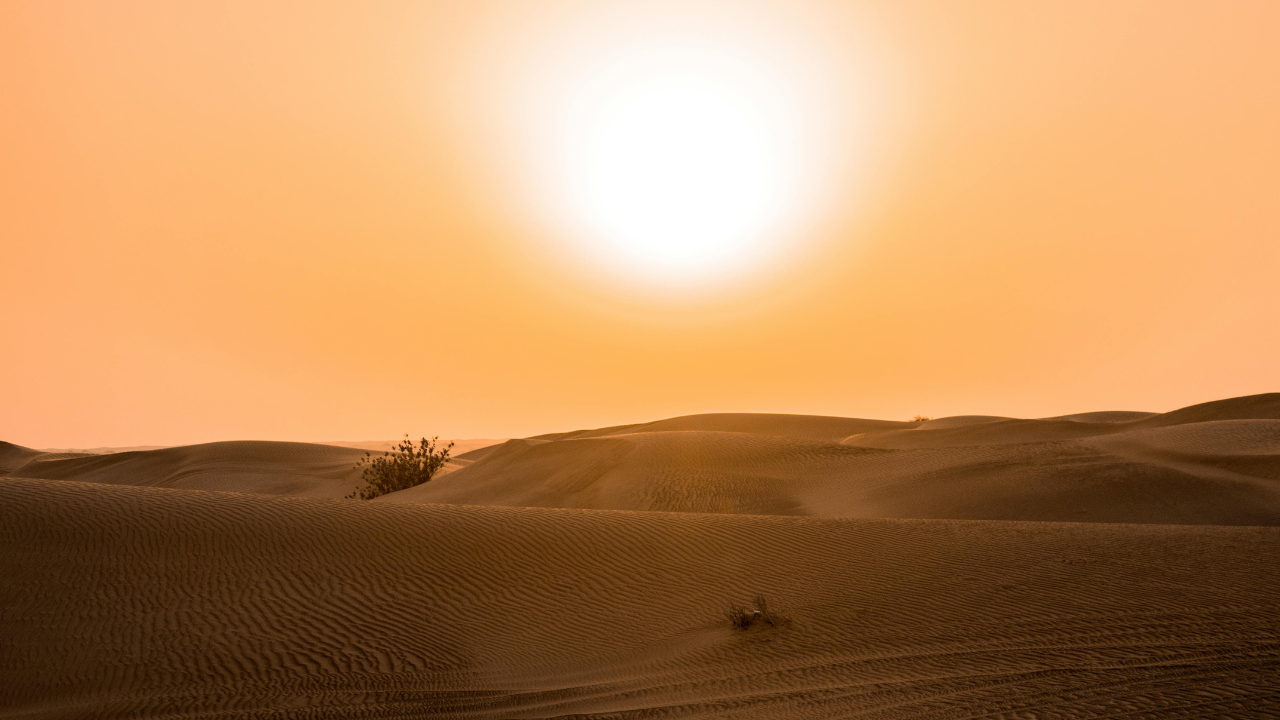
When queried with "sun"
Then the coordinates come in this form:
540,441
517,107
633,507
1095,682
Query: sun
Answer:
671,155
679,162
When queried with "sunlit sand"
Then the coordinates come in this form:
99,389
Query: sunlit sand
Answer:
1087,566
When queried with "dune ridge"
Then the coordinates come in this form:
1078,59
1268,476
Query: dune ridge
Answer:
1211,464
250,466
1216,463
156,602
13,457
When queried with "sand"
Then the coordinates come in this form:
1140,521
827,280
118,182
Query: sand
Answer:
261,467
1212,464
275,468
133,596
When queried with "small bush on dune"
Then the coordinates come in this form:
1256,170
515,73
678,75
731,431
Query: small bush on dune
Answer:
405,467
743,618
921,418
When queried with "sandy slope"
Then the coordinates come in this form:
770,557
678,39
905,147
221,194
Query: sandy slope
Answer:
147,602
1216,463
1213,464
13,457
269,468
805,427
273,468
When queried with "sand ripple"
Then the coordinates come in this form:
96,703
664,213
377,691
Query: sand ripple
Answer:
147,602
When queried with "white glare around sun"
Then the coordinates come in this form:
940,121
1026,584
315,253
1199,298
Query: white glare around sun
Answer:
671,151
678,161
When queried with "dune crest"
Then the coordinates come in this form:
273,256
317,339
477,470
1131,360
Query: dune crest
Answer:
1211,464
272,468
1216,463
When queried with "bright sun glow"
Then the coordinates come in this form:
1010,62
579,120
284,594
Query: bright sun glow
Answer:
678,154
679,161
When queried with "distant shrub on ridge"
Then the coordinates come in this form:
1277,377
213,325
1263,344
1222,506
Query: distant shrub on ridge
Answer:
921,418
405,467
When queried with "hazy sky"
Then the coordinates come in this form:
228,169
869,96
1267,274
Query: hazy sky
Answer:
312,221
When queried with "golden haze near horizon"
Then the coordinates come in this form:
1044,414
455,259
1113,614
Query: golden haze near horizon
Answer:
318,222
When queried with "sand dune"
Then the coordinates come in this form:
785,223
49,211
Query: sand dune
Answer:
525,583
148,602
272,468
13,457
1106,416
802,427
269,468
1215,464
1008,431
1212,464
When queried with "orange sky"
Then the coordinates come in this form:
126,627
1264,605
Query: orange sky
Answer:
304,221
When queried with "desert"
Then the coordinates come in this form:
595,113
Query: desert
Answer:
639,360
1110,565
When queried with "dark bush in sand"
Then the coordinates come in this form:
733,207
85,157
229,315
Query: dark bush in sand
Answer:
744,618
405,467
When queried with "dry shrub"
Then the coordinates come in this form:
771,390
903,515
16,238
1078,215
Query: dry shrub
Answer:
743,618
400,469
